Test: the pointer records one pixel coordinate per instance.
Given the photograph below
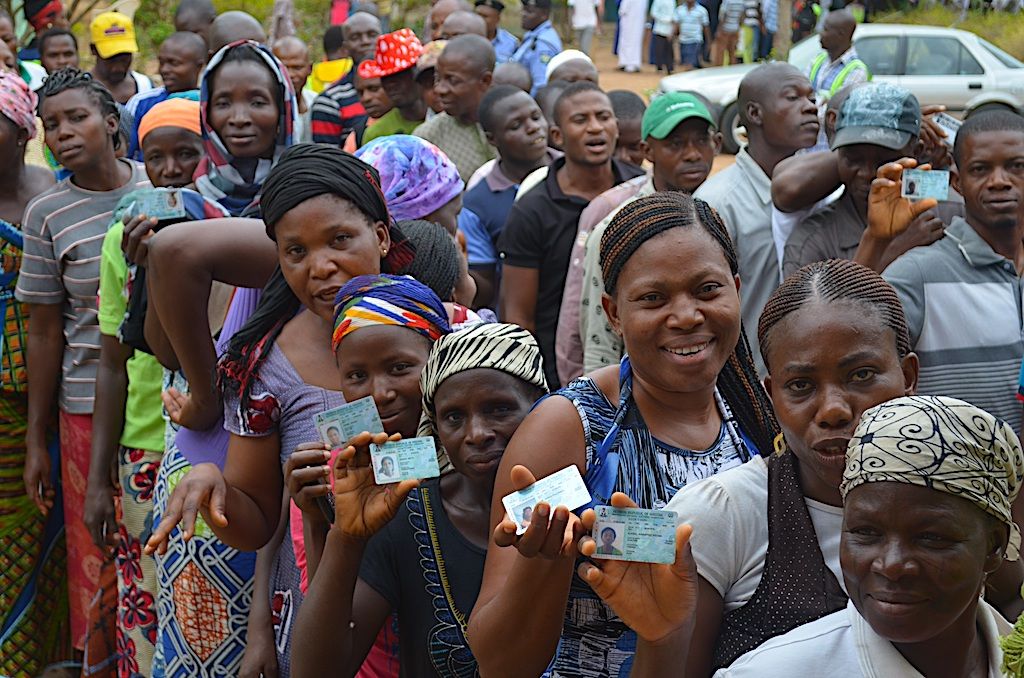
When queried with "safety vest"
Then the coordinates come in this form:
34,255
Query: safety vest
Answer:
837,84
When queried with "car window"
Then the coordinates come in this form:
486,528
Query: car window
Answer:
1004,58
939,56
880,53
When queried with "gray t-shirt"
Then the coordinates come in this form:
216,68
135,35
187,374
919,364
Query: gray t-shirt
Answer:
832,233
64,230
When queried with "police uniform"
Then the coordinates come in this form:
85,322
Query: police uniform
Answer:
505,44
537,49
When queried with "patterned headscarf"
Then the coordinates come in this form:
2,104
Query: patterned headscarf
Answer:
18,102
495,346
401,301
943,444
217,176
416,176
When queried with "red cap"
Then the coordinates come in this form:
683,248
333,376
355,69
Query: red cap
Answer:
395,53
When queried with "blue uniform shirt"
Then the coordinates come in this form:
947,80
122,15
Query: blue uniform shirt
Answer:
505,45
536,50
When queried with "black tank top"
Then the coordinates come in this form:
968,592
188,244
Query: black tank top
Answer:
796,586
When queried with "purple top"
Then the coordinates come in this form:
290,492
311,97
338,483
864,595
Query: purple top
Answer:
211,446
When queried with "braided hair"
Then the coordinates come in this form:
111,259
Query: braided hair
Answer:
72,78
647,217
834,280
436,263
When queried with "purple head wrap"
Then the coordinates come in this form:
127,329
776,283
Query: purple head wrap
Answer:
416,176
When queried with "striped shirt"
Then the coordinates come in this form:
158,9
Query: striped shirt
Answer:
963,306
336,112
64,230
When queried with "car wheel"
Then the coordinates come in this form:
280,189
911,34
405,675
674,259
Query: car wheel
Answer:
990,107
732,131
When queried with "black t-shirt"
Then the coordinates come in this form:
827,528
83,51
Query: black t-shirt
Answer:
540,233
400,565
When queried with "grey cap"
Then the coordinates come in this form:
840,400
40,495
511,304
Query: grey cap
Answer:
880,114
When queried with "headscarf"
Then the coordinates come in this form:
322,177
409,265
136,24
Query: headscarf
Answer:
400,301
18,102
180,113
494,346
309,170
943,444
416,176
217,176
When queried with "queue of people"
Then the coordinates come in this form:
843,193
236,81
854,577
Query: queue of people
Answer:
812,370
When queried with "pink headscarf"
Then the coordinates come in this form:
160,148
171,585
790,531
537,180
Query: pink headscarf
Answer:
18,102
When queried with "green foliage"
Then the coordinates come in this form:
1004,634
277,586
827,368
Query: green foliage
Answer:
1003,29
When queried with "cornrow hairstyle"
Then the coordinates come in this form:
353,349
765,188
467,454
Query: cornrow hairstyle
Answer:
829,281
647,217
436,263
72,78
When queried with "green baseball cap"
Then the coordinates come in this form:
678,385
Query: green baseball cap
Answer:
668,110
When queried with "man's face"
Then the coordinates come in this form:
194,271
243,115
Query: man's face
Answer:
491,17
460,86
437,16
59,53
522,134
372,96
630,147
401,88
179,66
858,165
116,68
361,33
682,160
990,177
789,116
296,62
533,17
191,22
586,129
830,36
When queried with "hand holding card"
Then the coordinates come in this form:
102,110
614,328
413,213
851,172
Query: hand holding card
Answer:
538,519
889,212
654,599
362,507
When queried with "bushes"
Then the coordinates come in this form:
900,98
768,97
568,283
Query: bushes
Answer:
1003,29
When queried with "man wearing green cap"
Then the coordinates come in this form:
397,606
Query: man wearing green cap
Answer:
682,142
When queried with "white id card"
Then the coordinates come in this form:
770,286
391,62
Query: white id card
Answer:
562,488
408,459
341,424
634,534
921,184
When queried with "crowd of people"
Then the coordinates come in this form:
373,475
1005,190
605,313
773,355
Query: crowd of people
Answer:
816,373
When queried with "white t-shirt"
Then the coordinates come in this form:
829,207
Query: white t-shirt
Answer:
584,13
843,644
729,515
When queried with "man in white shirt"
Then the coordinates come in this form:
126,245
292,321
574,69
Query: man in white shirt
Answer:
586,21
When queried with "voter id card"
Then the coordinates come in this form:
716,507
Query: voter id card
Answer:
949,125
162,204
343,423
408,459
921,184
637,535
562,488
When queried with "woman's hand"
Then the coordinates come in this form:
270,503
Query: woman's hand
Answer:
549,539
361,506
190,410
201,490
653,599
37,478
260,657
889,213
306,474
135,239
99,515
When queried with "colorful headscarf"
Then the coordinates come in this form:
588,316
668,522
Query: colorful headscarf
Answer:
180,113
217,176
416,176
401,301
495,346
18,102
943,444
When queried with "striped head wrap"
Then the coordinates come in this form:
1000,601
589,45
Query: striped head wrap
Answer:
417,178
217,176
943,444
18,102
495,346
401,301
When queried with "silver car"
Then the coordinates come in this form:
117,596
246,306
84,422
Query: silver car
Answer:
945,66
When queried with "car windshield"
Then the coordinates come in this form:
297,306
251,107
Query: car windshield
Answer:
802,54
1004,58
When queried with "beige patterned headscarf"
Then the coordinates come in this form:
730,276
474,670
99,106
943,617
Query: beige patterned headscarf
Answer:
943,444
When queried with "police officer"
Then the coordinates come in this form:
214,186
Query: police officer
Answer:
505,44
540,42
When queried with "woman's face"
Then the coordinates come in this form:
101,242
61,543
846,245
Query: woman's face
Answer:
677,308
243,108
915,559
323,243
477,412
76,131
10,136
171,155
385,362
827,363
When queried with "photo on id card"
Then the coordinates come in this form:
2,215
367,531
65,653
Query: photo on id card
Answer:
408,459
339,425
636,535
